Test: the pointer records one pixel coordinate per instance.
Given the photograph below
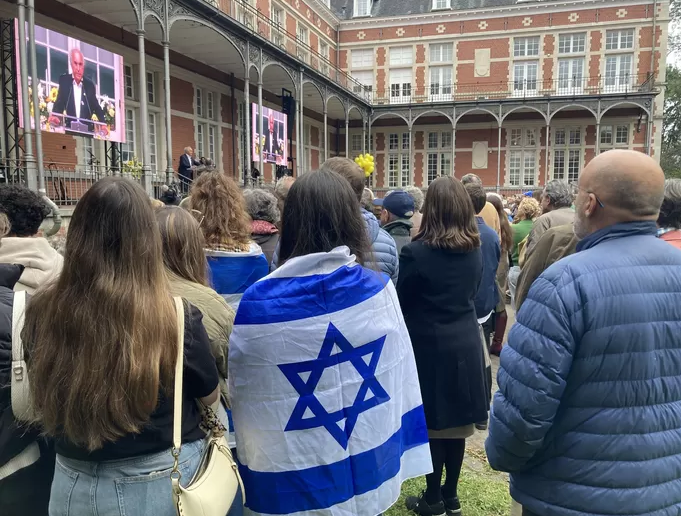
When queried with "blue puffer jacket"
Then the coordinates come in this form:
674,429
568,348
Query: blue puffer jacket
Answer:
588,414
383,246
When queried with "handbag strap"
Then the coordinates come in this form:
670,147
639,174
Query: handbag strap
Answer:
20,387
177,396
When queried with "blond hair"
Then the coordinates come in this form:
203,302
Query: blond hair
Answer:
528,209
222,208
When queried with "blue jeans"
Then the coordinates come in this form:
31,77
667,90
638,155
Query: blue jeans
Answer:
139,486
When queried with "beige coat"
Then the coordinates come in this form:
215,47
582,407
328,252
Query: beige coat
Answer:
218,318
41,262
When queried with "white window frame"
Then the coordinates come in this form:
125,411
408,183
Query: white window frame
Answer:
365,78
568,152
153,143
401,89
128,151
210,106
522,156
615,130
129,81
212,143
572,43
620,39
302,41
526,47
441,4
362,58
399,161
441,53
525,78
324,52
362,8
278,16
401,57
151,87
198,101
88,145
438,155
440,83
200,139
618,76
571,78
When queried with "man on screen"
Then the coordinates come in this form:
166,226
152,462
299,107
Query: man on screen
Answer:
272,147
77,96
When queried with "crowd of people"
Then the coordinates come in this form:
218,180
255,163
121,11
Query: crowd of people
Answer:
403,297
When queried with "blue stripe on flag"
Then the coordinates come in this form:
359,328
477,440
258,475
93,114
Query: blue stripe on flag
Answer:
292,299
325,486
234,274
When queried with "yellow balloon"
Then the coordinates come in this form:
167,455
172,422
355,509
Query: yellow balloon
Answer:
370,158
371,169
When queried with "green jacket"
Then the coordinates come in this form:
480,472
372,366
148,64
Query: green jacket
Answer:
520,231
218,318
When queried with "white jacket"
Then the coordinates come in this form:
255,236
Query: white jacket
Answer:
41,262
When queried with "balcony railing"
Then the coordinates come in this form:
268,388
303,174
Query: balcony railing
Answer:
65,184
526,89
262,25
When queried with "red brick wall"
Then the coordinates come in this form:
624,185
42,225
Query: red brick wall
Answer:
183,135
59,149
181,96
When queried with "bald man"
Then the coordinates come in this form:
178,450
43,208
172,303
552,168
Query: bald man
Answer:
77,96
588,415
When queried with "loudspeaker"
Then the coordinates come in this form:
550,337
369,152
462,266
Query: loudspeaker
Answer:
288,106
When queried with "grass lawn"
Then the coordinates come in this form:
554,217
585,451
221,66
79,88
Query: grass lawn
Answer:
482,492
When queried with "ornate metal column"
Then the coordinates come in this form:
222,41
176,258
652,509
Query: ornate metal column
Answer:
144,111
35,81
347,135
31,178
499,157
166,84
326,133
261,164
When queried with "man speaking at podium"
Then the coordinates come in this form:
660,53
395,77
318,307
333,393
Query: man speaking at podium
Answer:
76,96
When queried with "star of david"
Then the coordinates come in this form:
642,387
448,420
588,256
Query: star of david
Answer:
306,388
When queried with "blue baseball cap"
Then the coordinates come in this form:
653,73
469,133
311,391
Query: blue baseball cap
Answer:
399,203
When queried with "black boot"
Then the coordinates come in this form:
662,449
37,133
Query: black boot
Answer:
419,505
452,506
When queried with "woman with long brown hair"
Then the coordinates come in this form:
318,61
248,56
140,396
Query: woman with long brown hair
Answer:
101,347
439,276
185,261
235,261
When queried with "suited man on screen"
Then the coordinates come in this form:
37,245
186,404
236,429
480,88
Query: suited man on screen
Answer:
77,95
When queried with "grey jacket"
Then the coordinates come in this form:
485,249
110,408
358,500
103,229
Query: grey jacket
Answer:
383,246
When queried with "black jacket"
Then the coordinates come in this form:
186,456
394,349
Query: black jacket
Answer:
28,490
400,230
89,105
437,289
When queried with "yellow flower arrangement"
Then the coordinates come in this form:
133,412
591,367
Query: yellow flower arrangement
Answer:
94,118
53,95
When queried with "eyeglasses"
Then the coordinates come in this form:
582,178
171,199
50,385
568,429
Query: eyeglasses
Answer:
576,188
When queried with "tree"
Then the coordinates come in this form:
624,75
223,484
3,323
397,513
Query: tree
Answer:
670,158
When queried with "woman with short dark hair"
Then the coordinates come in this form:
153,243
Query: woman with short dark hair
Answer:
26,211
669,220
439,276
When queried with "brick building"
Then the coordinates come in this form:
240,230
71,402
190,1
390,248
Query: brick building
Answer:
515,91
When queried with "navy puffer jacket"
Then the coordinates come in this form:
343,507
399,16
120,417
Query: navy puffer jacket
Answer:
588,414
383,246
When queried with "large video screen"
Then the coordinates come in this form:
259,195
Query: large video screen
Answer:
270,131
80,87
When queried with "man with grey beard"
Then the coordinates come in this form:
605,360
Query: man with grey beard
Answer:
588,415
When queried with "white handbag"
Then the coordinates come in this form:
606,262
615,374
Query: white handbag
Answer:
214,487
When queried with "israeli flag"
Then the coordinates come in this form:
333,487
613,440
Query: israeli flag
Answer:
325,394
233,272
